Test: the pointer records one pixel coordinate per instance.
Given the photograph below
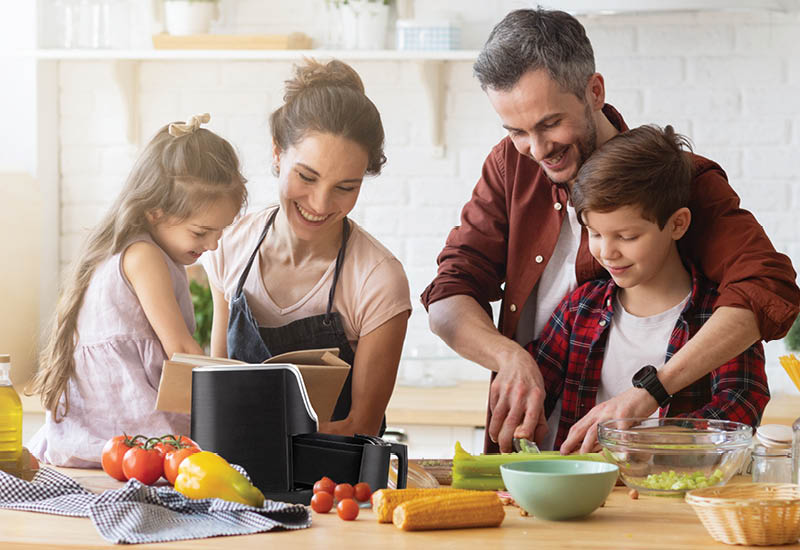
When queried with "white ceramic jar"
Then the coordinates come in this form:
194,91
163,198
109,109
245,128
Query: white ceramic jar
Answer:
185,17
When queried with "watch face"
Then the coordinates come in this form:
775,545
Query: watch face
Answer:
642,375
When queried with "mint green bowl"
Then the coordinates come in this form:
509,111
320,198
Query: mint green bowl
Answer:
559,489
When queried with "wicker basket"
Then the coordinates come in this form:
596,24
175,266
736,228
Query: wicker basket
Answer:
749,513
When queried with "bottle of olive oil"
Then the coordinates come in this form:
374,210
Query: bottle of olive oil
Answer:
10,416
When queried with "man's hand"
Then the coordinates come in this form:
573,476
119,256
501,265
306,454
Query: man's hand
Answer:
516,399
634,402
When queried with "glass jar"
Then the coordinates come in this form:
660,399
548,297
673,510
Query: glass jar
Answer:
771,464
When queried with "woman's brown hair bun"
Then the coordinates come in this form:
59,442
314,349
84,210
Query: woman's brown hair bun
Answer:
313,74
329,98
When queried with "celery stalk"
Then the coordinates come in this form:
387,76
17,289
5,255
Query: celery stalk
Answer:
483,471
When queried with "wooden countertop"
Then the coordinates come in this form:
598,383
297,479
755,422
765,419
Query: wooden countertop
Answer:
463,404
654,523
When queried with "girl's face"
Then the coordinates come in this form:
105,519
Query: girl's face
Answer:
184,241
319,181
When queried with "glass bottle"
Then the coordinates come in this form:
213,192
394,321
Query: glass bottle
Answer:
10,416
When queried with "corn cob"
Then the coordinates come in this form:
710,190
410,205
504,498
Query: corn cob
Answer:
384,501
450,511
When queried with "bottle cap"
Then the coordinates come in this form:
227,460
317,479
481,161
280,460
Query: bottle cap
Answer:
5,358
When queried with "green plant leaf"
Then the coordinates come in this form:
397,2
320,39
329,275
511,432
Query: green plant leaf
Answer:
203,312
792,338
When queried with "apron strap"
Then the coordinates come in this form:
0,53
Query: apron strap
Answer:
337,269
246,272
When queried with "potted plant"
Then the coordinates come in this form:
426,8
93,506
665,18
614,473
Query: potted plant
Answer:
792,338
184,17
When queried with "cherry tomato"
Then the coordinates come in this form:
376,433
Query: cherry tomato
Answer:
173,459
343,491
113,453
146,465
362,491
347,509
325,484
322,502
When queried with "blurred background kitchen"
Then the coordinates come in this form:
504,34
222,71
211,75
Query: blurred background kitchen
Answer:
87,82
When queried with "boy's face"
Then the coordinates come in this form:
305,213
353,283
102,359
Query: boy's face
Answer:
632,249
548,124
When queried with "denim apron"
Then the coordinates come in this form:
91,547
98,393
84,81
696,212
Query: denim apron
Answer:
251,343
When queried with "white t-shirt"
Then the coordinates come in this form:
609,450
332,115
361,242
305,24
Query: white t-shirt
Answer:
634,342
557,280
372,286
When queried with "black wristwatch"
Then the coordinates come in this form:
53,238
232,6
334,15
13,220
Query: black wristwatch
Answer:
647,378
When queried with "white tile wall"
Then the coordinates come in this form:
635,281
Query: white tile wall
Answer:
730,81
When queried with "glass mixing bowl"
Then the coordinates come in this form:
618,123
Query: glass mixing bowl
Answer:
669,456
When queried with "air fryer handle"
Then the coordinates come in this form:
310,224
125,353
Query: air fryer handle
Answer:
401,452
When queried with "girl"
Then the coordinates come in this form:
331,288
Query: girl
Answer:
126,306
301,275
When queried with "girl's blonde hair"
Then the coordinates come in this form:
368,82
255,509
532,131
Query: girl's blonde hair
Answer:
177,176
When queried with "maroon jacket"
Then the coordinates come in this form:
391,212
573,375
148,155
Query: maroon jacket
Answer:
512,219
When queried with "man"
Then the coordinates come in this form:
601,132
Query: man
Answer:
519,238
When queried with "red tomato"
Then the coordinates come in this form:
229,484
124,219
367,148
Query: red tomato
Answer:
343,491
173,459
322,502
146,465
347,509
113,452
362,491
186,442
325,484
164,448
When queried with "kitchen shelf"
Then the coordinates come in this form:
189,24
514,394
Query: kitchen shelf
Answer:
258,55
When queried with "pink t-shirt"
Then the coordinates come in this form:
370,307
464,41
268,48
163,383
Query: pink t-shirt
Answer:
372,285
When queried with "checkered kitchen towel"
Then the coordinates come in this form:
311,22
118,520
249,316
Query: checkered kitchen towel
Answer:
138,513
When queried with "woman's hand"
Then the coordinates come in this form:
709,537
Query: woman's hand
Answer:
374,374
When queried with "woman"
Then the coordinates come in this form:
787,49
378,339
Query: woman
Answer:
303,276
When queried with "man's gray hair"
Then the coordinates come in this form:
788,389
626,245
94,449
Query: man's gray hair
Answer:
529,39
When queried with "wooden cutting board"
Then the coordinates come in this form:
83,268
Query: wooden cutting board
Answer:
292,41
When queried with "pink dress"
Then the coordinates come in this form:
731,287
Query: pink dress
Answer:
118,362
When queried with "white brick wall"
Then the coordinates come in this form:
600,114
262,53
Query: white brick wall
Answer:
729,81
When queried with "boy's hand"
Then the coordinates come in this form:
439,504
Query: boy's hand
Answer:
516,399
634,402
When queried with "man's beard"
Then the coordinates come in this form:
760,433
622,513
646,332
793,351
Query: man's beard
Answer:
586,145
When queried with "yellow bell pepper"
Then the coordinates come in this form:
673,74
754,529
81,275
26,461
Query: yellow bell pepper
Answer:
208,475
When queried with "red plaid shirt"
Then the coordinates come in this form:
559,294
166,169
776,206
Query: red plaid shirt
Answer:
571,348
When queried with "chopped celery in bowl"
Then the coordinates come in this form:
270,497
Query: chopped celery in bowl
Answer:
669,456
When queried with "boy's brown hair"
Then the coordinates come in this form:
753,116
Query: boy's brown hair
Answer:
646,167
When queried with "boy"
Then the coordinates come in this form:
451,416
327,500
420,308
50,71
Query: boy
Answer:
605,336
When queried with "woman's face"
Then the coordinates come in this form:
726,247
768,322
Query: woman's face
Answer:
319,181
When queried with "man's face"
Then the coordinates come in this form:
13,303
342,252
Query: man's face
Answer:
547,123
